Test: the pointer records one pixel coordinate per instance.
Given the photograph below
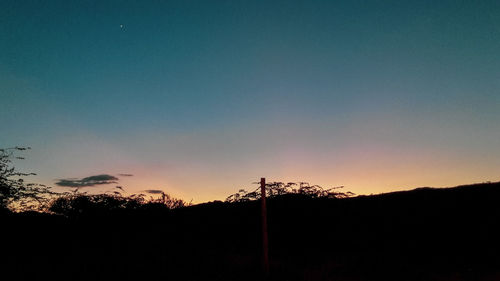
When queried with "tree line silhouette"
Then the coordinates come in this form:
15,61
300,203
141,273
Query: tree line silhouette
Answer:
16,194
314,234
19,195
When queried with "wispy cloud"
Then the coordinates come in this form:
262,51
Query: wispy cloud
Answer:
125,175
88,181
154,191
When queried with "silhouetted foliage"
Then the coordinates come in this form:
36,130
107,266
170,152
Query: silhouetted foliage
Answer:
274,189
76,203
15,193
169,201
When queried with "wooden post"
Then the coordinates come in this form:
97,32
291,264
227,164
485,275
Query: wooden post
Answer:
265,249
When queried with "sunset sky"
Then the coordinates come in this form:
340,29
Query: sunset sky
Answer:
202,98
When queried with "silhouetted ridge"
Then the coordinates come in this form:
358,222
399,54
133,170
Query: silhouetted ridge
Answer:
421,234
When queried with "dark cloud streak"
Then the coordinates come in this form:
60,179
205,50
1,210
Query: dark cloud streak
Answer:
154,191
88,181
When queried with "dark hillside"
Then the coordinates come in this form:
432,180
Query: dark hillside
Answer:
423,234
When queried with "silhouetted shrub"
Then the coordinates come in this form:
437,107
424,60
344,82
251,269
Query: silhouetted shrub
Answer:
274,189
74,204
168,201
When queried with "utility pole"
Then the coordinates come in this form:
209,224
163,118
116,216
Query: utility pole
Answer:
265,246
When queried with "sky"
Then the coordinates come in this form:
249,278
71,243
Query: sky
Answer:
202,98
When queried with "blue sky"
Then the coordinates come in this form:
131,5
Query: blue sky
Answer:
201,97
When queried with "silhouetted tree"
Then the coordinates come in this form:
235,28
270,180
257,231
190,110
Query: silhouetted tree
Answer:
15,193
274,189
76,203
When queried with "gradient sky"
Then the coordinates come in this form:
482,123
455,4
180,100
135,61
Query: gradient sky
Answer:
201,98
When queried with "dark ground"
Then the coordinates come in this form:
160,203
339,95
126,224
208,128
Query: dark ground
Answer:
424,234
